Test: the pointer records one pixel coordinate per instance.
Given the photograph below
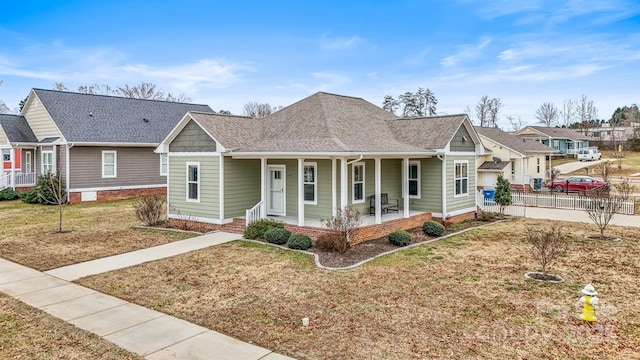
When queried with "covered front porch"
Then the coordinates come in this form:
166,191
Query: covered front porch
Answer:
17,168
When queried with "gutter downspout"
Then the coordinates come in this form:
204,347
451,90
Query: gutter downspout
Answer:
356,160
443,158
67,171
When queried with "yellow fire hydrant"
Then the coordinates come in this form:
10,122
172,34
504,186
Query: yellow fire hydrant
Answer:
589,300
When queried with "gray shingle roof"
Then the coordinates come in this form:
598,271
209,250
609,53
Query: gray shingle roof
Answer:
431,132
17,129
493,165
560,133
101,119
523,146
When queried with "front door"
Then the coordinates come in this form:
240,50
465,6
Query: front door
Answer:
276,190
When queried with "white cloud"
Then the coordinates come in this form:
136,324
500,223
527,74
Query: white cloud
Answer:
335,43
466,53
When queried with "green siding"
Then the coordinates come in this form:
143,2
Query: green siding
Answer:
431,182
458,143
466,201
291,184
241,186
209,205
192,139
390,180
322,210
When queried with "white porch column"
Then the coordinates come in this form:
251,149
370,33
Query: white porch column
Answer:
263,187
378,190
12,154
405,186
334,184
344,189
300,192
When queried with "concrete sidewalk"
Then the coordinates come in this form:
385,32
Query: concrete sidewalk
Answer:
578,216
140,330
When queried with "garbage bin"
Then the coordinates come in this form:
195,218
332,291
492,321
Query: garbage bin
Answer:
488,193
537,183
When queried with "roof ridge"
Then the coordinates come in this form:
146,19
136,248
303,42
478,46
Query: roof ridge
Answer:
327,124
219,114
115,96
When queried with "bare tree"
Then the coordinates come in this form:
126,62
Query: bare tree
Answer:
482,110
547,114
390,104
547,245
257,110
59,86
53,194
494,109
516,124
586,112
3,107
568,113
604,203
144,90
345,223
605,170
96,89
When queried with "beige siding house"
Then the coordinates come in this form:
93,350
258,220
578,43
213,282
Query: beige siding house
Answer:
321,154
521,161
101,146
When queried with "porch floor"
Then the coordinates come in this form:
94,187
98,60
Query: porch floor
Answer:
366,219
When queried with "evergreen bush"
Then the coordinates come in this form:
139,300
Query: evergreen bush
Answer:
400,238
432,228
299,242
277,235
256,229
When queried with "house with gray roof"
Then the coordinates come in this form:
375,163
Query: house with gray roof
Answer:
101,146
17,142
323,153
564,141
522,161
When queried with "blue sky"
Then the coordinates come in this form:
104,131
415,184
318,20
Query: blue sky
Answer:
226,53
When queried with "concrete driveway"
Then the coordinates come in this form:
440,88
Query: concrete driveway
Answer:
577,165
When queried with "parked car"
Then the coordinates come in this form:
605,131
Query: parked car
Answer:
580,184
589,154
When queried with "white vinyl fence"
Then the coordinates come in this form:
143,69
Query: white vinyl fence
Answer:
488,205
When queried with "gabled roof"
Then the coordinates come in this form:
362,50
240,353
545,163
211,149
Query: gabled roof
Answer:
17,129
231,131
433,132
555,132
87,118
521,145
493,165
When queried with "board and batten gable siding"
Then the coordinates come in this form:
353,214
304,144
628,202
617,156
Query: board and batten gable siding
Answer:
241,186
39,120
462,141
136,166
431,183
209,205
192,139
461,202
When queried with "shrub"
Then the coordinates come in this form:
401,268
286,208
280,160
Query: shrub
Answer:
547,244
333,241
299,241
345,223
277,235
47,191
400,238
256,229
149,209
432,228
8,194
488,216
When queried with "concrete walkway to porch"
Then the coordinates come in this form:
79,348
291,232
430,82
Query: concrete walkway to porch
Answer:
135,328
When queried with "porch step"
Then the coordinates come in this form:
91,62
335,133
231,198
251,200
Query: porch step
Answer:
236,226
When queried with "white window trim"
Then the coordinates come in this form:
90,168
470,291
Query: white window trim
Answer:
455,163
418,180
42,170
115,163
164,156
315,182
8,153
197,165
353,183
28,160
556,144
538,165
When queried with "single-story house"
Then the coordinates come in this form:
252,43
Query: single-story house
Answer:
323,153
17,142
101,146
563,140
519,160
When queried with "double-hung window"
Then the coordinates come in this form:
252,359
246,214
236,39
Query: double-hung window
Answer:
538,165
358,183
163,164
6,154
461,177
310,183
414,179
193,181
109,164
556,144
47,162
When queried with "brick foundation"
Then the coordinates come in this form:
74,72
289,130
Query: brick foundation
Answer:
370,232
21,189
458,218
107,195
521,188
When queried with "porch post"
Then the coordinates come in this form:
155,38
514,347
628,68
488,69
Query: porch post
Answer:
334,197
405,186
12,153
378,190
300,192
344,189
263,187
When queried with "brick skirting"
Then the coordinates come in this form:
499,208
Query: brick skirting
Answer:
371,232
106,195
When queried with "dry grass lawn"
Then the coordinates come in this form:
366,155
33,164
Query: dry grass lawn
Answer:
458,298
99,230
27,333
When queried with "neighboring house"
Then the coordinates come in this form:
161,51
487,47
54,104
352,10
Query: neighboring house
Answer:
325,152
518,160
17,147
613,134
564,141
101,146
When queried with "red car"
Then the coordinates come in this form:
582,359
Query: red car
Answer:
577,184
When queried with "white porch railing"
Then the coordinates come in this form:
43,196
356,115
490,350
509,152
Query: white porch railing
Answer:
23,179
5,180
13,179
560,201
255,213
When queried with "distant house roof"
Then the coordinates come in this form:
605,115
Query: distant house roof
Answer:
17,129
521,145
556,133
493,165
88,118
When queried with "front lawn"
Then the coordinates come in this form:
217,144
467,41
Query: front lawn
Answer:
461,297
99,230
